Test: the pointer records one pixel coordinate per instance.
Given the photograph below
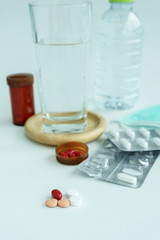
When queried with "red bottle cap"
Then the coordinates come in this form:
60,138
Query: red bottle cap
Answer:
20,80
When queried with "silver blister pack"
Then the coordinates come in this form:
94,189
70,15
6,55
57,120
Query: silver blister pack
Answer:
124,168
134,139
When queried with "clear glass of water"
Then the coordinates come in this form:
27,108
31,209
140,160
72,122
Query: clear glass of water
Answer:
61,35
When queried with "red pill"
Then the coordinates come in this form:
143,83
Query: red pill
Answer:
69,151
56,194
78,153
63,154
72,154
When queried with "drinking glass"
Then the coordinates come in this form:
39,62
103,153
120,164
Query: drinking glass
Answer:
61,35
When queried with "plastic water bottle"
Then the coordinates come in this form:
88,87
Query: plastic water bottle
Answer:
118,53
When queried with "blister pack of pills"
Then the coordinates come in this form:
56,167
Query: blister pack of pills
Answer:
134,139
124,168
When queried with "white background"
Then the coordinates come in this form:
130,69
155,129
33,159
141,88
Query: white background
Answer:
29,171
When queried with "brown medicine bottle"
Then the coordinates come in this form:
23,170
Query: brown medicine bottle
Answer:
22,99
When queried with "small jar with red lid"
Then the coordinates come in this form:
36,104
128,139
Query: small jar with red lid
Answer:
22,99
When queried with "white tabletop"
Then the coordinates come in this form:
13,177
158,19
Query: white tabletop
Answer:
29,171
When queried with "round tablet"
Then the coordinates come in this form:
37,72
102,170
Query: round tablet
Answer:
63,203
72,192
75,201
51,203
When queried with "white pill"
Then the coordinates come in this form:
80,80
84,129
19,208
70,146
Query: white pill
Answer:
75,201
129,133
156,141
125,143
142,143
114,134
72,192
158,132
132,171
127,178
144,132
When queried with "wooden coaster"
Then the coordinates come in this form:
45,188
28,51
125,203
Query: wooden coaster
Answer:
96,125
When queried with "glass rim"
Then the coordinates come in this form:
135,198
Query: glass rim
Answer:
59,2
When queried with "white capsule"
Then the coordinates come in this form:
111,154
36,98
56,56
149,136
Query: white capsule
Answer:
129,133
156,141
75,201
144,132
127,178
142,143
157,132
72,192
132,171
114,134
125,143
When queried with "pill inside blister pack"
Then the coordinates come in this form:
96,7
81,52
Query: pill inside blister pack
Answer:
134,139
124,168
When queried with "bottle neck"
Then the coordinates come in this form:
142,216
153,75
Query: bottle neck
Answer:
124,6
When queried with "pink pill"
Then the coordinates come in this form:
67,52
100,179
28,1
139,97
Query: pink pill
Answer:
51,203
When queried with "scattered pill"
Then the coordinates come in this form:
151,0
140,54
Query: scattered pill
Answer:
142,143
63,203
125,143
72,192
56,194
114,134
75,201
51,203
127,178
156,141
129,133
132,171
144,132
